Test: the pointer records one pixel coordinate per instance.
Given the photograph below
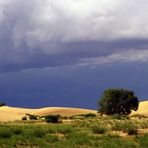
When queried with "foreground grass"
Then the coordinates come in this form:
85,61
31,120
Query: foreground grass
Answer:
99,132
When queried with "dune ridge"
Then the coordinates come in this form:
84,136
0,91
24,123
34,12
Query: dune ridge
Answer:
8,113
143,109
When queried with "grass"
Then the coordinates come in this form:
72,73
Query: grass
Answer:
5,133
127,127
99,129
102,132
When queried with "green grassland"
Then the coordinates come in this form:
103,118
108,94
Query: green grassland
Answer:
77,132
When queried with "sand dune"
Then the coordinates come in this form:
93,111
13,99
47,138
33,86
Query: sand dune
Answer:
63,111
8,113
143,109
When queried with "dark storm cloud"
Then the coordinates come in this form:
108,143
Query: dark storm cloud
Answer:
51,33
80,54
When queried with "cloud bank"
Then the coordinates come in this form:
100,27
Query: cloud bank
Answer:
124,57
48,33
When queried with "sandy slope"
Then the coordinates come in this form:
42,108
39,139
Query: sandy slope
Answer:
12,113
143,109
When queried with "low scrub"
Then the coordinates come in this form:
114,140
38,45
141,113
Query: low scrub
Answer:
5,132
99,130
32,117
16,130
64,129
127,127
102,133
139,116
39,132
90,115
120,117
52,119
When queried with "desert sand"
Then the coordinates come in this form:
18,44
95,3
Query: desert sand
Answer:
142,110
8,113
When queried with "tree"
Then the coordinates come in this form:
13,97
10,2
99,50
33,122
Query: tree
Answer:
2,104
118,101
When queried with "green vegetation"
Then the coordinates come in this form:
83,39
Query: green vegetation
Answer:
89,115
118,101
127,127
52,118
31,117
100,131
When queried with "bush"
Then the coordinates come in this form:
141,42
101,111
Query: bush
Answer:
52,118
120,117
99,129
118,101
126,127
5,133
16,130
31,117
39,133
24,118
64,129
143,140
89,115
132,131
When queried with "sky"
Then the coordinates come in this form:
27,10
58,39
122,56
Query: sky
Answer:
66,53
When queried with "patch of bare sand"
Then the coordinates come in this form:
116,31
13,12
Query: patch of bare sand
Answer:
13,113
63,111
142,110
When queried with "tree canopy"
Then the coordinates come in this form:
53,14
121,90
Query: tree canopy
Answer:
2,104
118,101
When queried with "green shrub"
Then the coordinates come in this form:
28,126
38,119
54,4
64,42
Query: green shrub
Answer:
16,130
130,128
30,132
79,139
89,115
52,119
64,129
39,132
120,117
24,118
52,139
5,133
99,129
143,140
143,124
132,131
32,117
127,127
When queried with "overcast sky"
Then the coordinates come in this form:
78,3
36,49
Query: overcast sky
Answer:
66,52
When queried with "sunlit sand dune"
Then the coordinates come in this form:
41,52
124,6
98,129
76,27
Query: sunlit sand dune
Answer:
8,113
63,111
12,113
143,109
